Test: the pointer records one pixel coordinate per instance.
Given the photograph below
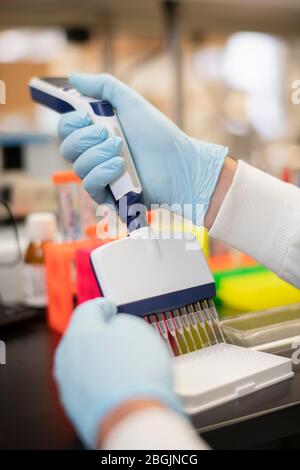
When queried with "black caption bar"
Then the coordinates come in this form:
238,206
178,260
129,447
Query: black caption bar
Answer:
127,459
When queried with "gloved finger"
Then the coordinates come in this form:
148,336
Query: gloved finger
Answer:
82,139
103,86
102,175
69,122
92,314
102,196
108,198
88,318
96,155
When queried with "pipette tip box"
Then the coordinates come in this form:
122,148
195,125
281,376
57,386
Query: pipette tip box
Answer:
223,372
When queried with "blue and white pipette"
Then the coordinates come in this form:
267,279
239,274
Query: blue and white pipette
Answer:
56,93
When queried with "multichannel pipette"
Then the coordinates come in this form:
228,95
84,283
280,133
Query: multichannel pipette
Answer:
170,286
57,94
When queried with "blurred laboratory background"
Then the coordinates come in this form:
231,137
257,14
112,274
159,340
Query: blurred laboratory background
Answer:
223,70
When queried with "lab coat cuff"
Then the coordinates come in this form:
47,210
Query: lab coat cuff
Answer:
260,215
154,429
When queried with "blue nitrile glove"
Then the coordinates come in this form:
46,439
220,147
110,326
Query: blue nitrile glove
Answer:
105,359
173,167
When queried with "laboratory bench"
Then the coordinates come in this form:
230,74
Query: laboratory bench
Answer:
32,418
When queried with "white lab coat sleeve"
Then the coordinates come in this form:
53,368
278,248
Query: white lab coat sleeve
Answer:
154,429
260,215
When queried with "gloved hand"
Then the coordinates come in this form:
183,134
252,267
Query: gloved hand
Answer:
106,359
173,167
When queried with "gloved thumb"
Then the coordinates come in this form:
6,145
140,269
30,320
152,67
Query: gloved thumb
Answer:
103,86
92,315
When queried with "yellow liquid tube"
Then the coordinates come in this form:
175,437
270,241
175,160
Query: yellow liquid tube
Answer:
194,328
187,332
216,321
208,323
201,325
180,335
